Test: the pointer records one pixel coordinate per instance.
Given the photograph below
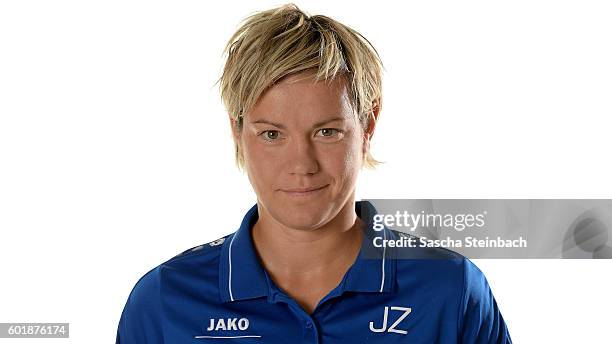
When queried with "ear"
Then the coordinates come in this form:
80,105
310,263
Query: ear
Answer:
235,130
371,124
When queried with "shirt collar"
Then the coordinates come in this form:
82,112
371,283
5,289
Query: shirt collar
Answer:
241,275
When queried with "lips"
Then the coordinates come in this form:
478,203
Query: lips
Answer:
304,190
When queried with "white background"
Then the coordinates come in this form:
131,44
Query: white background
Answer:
115,149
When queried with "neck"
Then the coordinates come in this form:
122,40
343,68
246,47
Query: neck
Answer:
289,252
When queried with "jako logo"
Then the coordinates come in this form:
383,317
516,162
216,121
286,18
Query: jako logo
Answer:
399,320
228,324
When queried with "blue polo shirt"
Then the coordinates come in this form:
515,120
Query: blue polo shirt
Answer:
220,293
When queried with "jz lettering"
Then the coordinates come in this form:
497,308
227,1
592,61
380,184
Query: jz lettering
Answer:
393,328
228,324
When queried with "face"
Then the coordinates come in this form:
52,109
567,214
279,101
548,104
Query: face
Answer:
303,147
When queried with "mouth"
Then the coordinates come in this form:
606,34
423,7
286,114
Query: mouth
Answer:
300,192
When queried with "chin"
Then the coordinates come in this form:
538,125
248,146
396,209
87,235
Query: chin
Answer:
303,216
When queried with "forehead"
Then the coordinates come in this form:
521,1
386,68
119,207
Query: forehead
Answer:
299,95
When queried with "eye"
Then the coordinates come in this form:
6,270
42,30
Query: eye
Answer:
330,132
270,135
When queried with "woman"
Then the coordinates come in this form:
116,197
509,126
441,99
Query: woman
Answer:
303,95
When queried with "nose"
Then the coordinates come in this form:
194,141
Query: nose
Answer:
302,157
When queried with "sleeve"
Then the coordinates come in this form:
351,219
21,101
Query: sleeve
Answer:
480,320
140,320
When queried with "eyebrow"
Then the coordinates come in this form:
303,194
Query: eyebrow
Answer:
314,126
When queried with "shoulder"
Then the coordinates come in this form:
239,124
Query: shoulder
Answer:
425,252
205,257
458,283
142,313
439,267
460,287
140,318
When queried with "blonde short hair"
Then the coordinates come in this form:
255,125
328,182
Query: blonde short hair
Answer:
272,44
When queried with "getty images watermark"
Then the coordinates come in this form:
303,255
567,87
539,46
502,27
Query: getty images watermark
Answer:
406,221
495,228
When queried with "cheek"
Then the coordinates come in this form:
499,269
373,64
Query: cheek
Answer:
344,160
260,166
258,152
